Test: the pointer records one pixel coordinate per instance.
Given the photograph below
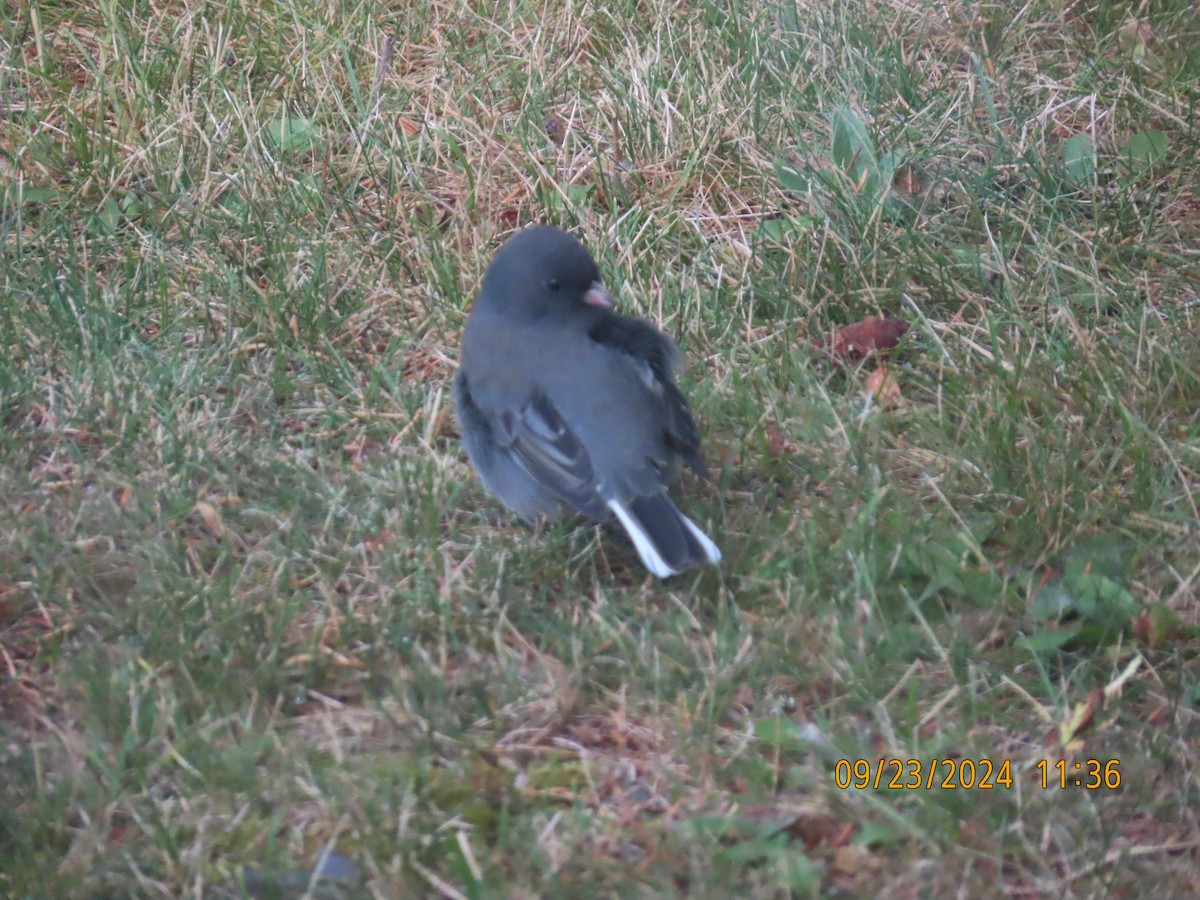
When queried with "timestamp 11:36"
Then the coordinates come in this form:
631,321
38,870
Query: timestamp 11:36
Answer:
1090,774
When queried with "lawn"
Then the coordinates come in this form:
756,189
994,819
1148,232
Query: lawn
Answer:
263,633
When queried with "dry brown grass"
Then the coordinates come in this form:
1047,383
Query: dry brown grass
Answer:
254,608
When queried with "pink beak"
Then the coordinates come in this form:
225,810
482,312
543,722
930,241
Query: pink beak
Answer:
596,295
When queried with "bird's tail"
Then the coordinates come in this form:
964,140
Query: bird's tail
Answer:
667,541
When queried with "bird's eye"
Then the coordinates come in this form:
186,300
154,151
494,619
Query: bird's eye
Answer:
552,284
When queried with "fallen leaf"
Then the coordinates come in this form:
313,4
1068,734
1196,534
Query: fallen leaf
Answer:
1159,626
849,860
555,128
860,339
906,180
818,828
883,388
777,444
1159,717
1135,36
211,516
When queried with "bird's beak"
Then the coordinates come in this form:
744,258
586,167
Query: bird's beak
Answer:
596,295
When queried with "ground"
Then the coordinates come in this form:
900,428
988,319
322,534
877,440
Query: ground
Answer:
259,623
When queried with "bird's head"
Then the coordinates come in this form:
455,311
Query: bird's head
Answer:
544,271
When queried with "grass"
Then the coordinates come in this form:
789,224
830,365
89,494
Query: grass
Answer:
255,610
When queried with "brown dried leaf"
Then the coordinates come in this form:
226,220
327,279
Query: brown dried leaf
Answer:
555,128
777,444
818,828
1159,627
507,219
1135,36
906,180
883,387
860,339
850,860
213,520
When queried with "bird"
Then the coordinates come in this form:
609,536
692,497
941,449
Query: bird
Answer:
566,406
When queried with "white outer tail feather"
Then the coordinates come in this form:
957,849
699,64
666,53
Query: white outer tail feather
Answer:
711,550
651,558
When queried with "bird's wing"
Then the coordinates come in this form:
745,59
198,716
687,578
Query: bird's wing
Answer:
545,446
657,359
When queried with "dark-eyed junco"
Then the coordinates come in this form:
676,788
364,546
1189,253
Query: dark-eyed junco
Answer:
566,406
